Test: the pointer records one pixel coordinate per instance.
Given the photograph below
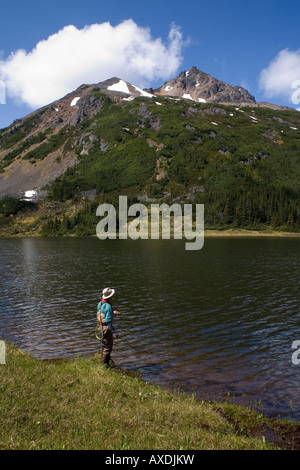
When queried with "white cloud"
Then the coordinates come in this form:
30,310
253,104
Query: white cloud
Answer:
279,78
71,57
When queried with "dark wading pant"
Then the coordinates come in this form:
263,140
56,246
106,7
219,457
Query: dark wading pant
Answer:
107,344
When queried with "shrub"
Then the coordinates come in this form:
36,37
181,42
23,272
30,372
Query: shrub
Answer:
10,205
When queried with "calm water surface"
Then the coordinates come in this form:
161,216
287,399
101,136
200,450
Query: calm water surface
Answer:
219,322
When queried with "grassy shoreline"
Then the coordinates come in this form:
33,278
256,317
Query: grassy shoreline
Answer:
250,233
77,404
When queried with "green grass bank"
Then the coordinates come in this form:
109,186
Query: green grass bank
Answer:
76,404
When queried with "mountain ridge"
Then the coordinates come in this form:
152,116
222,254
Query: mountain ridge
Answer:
211,89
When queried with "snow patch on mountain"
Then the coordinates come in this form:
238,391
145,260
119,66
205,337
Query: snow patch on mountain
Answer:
121,86
143,92
75,101
29,195
187,96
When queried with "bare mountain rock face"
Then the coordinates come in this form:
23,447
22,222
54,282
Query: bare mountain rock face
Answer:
202,88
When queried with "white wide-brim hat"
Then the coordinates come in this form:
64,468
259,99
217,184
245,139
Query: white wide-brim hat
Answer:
107,293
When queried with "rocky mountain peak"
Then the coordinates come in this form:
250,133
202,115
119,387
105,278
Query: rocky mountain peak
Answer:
203,88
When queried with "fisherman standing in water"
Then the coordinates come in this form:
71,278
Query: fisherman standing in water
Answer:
105,319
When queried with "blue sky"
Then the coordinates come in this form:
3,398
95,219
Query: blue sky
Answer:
233,41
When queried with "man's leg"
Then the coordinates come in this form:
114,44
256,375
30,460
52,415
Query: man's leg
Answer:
107,345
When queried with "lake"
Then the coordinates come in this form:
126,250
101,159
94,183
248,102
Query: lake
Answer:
219,322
